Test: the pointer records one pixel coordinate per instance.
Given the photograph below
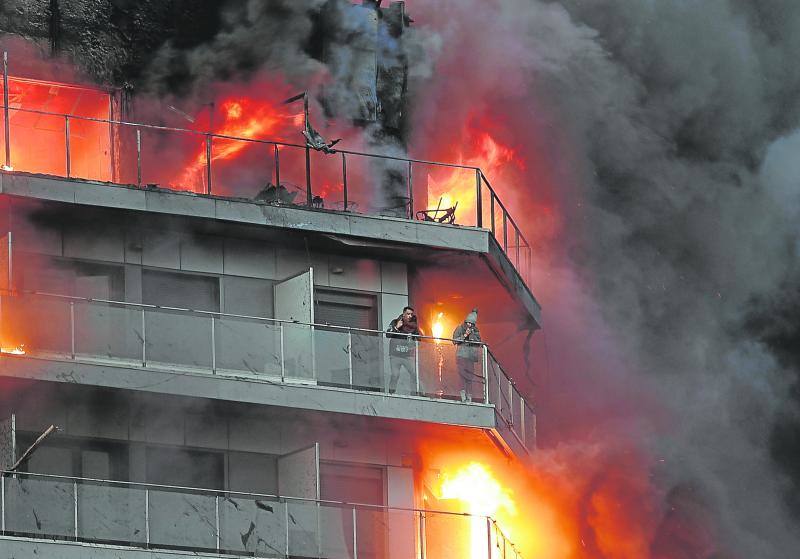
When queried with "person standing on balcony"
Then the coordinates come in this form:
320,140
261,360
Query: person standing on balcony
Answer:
467,337
403,347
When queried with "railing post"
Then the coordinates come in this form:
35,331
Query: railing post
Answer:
416,366
144,339
488,538
277,170
283,356
511,399
478,201
485,374
309,193
286,523
350,355
72,328
505,231
355,535
422,536
491,207
344,180
208,164
410,183
213,346
147,517
216,518
6,122
66,145
3,503
75,501
516,241
138,156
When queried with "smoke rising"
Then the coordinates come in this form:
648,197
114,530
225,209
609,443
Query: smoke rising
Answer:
662,134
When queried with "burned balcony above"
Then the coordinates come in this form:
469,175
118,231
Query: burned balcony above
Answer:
83,155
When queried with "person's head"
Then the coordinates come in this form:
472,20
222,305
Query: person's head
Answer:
408,313
472,318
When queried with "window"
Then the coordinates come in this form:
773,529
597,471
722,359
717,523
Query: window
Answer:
89,458
185,467
352,483
176,289
342,308
76,278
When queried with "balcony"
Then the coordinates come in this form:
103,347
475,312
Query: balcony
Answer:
285,363
152,517
266,172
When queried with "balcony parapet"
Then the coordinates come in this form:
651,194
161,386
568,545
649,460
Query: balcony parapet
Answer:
137,160
309,357
150,516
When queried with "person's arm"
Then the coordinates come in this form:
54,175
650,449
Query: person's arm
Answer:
458,334
393,325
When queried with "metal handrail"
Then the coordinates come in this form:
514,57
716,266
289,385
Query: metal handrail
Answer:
216,314
162,128
217,493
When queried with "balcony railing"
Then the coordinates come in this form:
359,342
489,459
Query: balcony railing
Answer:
199,520
178,339
149,156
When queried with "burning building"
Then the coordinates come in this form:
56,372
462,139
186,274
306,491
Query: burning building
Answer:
200,311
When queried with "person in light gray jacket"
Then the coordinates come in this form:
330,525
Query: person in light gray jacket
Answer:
467,337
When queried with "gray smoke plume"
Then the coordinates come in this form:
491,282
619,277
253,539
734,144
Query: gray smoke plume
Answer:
673,129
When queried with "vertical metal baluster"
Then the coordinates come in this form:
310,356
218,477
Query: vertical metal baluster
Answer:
283,355
144,340
500,393
522,421
516,242
75,501
491,204
213,346
410,182
3,503
416,364
208,164
277,169
350,355
286,523
6,123
138,156
355,536
344,179
488,538
66,144
216,518
511,400
505,231
422,535
112,146
479,200
485,374
309,193
72,328
147,517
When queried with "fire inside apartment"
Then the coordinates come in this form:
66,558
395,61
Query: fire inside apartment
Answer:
195,356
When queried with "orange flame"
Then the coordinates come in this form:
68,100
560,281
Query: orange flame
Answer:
438,328
458,186
17,350
242,118
475,486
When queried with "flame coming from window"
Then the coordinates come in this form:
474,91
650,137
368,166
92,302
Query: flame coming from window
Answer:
482,495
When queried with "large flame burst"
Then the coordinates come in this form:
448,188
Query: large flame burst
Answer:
245,118
482,495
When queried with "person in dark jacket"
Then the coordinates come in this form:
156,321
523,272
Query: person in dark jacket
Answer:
470,351
403,347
